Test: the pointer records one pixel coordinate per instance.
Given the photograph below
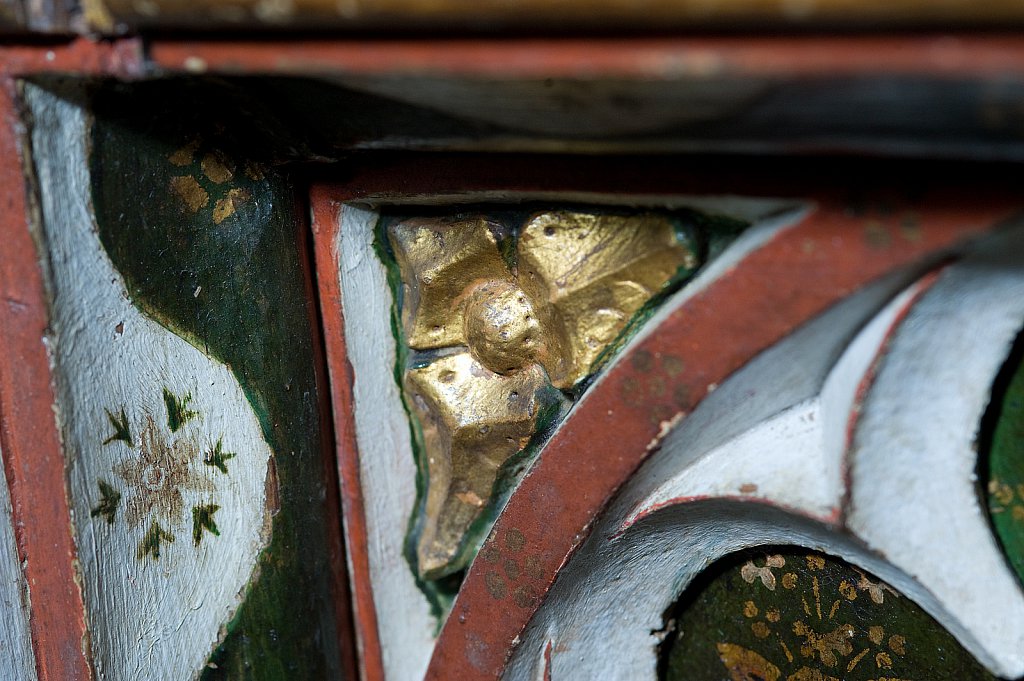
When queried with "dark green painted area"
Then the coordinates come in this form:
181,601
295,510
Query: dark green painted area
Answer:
706,235
202,519
155,536
718,232
791,615
218,458
1003,443
122,431
110,498
228,274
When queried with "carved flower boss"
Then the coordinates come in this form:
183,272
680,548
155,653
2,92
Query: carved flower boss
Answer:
497,319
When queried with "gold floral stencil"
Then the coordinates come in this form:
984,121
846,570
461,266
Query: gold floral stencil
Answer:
796,616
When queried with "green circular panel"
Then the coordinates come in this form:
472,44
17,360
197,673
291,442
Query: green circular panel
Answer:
1005,429
797,616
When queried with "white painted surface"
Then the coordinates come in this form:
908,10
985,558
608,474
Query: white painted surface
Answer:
915,496
770,425
17,661
386,463
148,619
762,460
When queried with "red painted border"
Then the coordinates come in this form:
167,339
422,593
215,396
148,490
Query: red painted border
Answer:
33,457
968,55
962,55
117,58
325,229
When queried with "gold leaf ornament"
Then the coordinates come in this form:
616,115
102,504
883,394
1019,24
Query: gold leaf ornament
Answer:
594,272
440,261
513,317
473,421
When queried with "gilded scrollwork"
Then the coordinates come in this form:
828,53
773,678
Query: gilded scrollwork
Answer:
504,321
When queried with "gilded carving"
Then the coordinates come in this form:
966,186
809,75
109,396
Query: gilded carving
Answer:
473,421
592,273
440,261
498,317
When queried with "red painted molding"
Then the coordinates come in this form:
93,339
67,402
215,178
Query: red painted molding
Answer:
969,55
84,57
33,458
965,55
325,228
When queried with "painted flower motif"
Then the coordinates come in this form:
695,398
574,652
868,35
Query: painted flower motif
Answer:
876,590
751,572
158,475
505,317
829,646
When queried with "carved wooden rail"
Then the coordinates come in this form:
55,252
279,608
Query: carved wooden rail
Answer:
532,358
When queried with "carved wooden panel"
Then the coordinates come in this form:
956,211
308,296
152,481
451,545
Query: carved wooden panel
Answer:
187,395
607,415
770,401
